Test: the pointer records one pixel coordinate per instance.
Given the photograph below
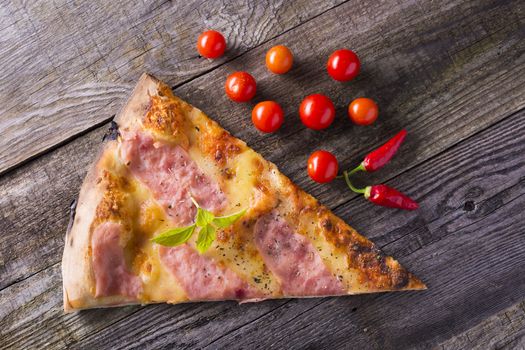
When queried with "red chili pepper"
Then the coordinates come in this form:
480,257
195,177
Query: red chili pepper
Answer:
382,155
389,197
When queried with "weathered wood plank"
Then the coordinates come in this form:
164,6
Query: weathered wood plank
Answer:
441,102
462,262
67,65
42,322
506,330
33,186
516,344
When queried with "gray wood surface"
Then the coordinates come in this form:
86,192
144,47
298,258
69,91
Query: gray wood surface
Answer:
506,330
452,74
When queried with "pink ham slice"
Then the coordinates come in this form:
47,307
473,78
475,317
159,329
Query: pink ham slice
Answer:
293,259
202,278
112,276
171,175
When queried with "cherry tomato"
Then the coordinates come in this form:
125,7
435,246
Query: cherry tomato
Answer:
363,111
240,87
267,116
211,44
317,112
343,65
322,166
279,59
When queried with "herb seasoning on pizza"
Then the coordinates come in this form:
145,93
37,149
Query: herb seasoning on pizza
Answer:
176,209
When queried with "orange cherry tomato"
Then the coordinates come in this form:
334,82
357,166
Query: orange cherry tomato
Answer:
267,116
343,65
211,44
317,111
322,166
240,87
279,59
363,111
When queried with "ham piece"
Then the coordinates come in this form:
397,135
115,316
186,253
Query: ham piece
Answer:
112,275
293,259
172,176
202,278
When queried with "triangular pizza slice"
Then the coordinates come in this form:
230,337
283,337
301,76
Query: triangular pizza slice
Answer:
168,157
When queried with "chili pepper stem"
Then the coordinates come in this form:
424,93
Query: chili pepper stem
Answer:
358,168
349,184
368,190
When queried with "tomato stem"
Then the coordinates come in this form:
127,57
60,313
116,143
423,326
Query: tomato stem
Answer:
347,180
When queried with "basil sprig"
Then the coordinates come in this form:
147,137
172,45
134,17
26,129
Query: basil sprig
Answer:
207,224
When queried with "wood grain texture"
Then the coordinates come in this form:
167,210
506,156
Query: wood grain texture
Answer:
67,65
506,330
433,68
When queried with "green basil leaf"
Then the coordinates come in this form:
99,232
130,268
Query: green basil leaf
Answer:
225,221
204,217
175,236
206,238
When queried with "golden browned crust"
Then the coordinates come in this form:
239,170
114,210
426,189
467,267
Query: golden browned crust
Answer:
77,273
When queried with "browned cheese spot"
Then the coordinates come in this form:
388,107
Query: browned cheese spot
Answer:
228,173
223,235
115,193
218,144
167,117
140,262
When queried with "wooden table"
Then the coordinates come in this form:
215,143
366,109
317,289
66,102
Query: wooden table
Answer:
451,72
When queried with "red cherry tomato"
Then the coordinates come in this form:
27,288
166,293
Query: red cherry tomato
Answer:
363,111
343,65
267,116
322,166
240,87
211,44
317,112
279,59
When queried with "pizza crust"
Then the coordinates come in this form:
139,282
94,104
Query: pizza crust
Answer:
139,101
77,272
76,263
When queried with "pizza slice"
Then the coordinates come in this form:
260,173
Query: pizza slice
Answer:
169,163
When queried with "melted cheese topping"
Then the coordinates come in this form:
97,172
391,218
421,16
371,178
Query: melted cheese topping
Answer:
249,182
